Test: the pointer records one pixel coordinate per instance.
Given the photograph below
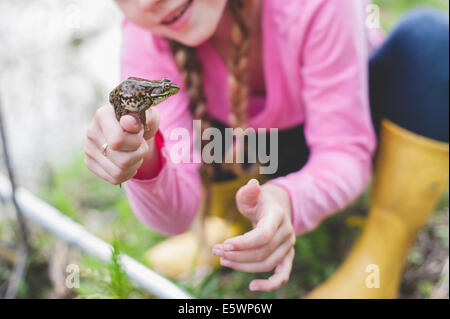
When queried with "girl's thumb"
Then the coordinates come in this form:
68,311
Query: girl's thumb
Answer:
247,199
131,124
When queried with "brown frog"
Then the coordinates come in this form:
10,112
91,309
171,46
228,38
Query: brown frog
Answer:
136,95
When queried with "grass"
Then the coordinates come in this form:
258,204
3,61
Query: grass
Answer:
392,10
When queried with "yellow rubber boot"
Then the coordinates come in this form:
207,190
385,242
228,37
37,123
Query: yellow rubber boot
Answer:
188,253
411,173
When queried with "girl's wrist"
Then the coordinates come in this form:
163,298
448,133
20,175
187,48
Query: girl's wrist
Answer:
152,164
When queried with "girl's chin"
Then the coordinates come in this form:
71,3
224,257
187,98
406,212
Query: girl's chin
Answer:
194,37
192,42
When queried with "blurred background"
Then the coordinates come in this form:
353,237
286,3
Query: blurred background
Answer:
59,59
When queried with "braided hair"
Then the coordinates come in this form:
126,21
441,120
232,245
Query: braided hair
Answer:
191,71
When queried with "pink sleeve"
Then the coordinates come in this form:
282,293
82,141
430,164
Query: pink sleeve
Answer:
168,202
333,70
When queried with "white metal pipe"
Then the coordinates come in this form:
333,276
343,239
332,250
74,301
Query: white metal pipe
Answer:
73,233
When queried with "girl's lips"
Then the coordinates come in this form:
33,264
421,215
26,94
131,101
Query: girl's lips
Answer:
176,14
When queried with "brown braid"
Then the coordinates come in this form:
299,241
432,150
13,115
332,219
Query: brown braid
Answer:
191,70
238,80
238,64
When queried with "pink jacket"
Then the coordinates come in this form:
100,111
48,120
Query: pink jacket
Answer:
315,64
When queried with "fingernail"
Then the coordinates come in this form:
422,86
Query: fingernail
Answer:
253,287
136,122
224,262
228,247
217,252
253,180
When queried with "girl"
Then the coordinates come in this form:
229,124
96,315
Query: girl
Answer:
299,66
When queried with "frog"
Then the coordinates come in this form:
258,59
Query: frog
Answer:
137,95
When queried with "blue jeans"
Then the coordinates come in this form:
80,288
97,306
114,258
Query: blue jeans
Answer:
409,75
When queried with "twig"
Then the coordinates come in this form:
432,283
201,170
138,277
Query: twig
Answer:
18,273
21,265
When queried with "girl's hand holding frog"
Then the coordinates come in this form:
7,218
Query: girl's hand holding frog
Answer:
127,145
270,245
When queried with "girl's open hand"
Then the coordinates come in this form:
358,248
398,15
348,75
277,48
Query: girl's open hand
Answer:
128,146
270,245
